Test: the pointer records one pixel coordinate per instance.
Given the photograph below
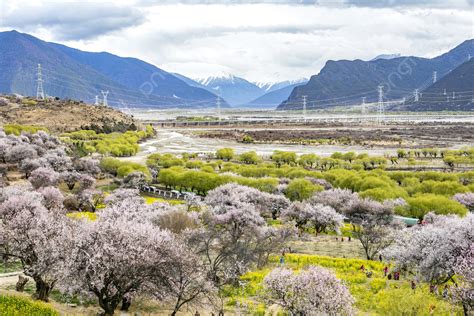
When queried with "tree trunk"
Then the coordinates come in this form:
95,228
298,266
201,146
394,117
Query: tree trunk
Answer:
20,285
126,302
107,307
42,289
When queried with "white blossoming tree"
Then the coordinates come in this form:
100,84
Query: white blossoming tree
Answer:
433,249
316,216
313,291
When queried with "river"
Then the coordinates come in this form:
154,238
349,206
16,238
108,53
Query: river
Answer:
177,142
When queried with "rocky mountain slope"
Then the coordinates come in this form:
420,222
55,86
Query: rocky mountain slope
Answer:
453,92
71,73
345,82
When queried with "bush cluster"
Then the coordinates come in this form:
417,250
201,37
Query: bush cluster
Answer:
14,305
113,144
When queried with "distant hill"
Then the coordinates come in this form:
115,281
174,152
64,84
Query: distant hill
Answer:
236,91
60,116
273,98
453,92
345,82
75,74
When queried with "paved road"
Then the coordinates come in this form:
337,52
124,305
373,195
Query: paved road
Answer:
8,278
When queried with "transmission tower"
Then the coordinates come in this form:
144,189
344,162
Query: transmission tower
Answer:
363,106
39,87
304,107
435,76
381,111
218,108
97,102
104,97
417,97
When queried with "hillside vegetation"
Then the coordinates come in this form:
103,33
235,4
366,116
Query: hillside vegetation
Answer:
60,116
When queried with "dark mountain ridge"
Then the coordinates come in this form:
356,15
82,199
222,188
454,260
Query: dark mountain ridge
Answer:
453,92
75,74
345,82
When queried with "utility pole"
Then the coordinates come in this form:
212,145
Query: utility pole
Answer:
304,107
380,105
104,97
417,97
39,87
435,76
96,100
218,107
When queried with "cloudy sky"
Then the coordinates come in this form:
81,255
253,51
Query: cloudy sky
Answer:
261,40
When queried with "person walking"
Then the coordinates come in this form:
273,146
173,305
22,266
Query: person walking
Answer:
445,292
282,258
396,275
385,271
413,285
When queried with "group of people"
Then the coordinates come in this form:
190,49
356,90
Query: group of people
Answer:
389,275
434,290
396,276
342,238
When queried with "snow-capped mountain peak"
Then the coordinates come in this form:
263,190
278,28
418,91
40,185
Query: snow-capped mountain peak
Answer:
272,86
222,77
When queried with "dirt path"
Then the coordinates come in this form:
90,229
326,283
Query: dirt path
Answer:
8,278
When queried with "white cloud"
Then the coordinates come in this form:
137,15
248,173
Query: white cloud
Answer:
265,41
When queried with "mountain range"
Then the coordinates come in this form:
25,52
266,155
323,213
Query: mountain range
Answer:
453,92
346,82
75,74
71,73
243,93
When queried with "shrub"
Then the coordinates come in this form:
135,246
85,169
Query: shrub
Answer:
422,204
225,154
115,144
249,157
122,168
17,129
14,305
301,189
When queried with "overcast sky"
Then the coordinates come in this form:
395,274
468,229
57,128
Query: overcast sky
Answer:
260,40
